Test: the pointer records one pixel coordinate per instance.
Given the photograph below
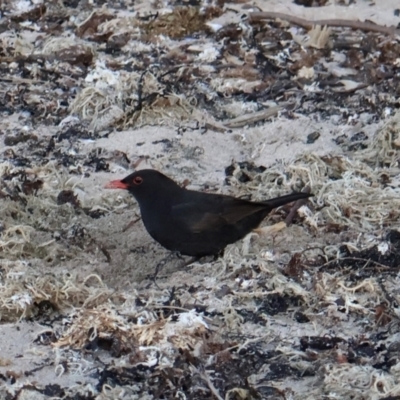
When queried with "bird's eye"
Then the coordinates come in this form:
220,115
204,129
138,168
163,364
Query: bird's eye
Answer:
137,180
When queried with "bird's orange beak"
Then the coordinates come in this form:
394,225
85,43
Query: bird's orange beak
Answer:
116,185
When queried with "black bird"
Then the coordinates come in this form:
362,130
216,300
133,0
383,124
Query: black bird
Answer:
194,223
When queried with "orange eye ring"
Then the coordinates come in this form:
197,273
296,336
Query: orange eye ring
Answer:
137,180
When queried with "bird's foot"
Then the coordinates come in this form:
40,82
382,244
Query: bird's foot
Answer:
162,263
167,259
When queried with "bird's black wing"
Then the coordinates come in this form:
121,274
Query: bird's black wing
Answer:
214,213
203,211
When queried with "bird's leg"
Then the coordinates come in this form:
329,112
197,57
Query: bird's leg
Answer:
170,256
159,267
164,261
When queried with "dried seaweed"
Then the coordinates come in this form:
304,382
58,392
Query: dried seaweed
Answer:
303,311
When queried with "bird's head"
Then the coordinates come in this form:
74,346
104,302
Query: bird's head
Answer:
144,184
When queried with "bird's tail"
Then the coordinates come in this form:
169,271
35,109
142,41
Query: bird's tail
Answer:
281,201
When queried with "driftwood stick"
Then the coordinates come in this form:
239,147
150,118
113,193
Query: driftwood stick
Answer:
339,23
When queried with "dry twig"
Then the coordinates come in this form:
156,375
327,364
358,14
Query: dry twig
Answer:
338,23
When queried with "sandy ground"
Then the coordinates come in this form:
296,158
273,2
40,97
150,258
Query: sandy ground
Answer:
67,277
